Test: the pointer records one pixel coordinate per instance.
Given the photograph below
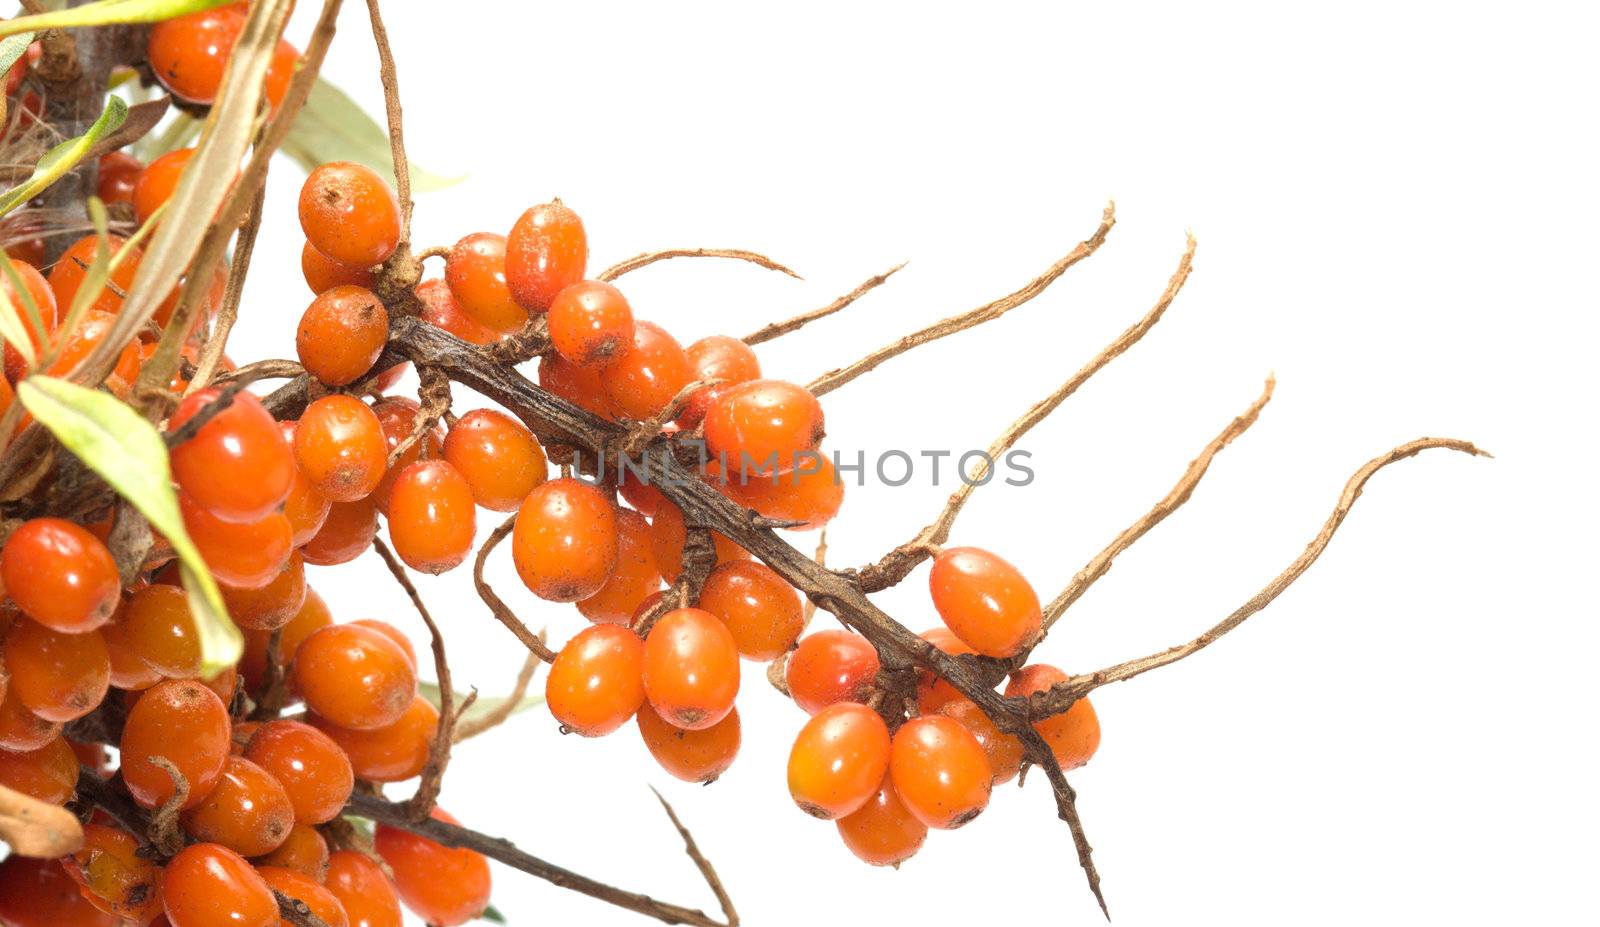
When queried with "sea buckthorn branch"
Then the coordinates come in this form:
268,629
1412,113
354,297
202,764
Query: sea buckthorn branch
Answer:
228,313
468,728
391,105
497,606
707,871
773,330
650,257
297,912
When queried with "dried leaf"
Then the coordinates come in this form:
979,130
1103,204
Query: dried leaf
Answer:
482,706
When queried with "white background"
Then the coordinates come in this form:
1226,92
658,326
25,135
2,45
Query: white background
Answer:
1395,205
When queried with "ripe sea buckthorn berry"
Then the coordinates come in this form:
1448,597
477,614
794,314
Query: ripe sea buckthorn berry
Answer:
354,677
546,252
397,416
810,494
156,183
60,575
247,555
339,444
305,506
237,466
632,579
392,633
1004,750
691,668
39,893
838,760
363,889
271,606
830,667
350,213
934,693
647,374
189,53
591,323
59,677
762,427
128,669
90,331
49,773
303,850
247,810
760,608
596,682
280,71
314,772
883,832
565,541
644,498
345,534
432,520
207,885
44,299
161,630
441,310
117,173
312,617
580,386
341,334
1073,735
668,534
21,729
693,756
498,456
717,357
68,273
304,889
393,753
442,885
985,601
114,877
184,722
323,273
940,771
475,271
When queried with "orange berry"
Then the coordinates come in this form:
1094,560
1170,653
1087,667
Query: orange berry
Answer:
838,760
810,494
354,677
345,534
341,334
717,357
59,677
940,771
644,498
397,416
441,310
303,850
933,693
49,773
39,893
475,271
304,889
645,376
114,877
158,181
591,323
247,811
595,684
128,669
271,606
161,630
830,667
985,601
186,723
314,771
883,832
305,507
207,885
60,575
190,53
632,579
67,274
693,756
118,172
312,617
350,213
566,540
280,71
339,445
20,729
691,668
392,633
668,534
323,273
1004,750
1073,735
443,886
363,889
77,346
762,427
248,555
388,754
498,456
432,521
580,386
546,252
237,466
760,608
44,299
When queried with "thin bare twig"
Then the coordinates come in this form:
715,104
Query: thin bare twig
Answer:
493,719
502,612
297,912
707,871
773,330
650,257
228,314
391,105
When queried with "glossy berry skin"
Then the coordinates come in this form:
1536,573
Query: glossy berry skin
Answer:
580,386
354,677
762,427
207,885
323,273
940,771
838,760
1073,735
307,891
498,456
114,877
237,466
641,380
442,885
810,494
397,416
49,773
691,669
475,271
156,185
644,498
118,171
829,667
92,329
161,631
693,756
303,850
189,53
591,323
339,445
1004,750
185,722
364,891
565,541
392,633
441,310
985,601
305,506
315,773
546,252
596,682
271,606
39,893
312,617
44,299
247,555
669,534
632,579
128,669
67,275
388,754
59,677
761,610
883,832
247,811
350,214
20,729
432,518
717,357
934,693
345,534
341,334
60,575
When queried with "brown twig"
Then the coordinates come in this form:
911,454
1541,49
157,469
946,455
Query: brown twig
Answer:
228,313
650,257
707,871
163,831
391,105
297,912
433,395
490,720
773,330
534,642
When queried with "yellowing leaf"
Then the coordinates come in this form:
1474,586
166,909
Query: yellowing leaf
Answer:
480,707
62,158
12,48
333,127
129,454
107,12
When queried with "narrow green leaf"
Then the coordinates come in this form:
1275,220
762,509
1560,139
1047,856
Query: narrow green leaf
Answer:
63,157
129,454
333,127
107,12
492,915
483,705
12,48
